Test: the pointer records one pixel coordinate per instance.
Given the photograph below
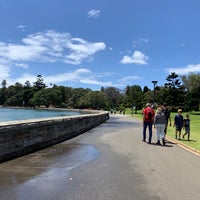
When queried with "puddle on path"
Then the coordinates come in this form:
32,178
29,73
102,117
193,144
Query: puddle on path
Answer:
46,164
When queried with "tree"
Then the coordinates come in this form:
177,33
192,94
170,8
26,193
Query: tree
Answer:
39,84
14,95
175,91
3,92
47,97
93,100
145,89
63,93
4,83
27,84
15,100
191,81
113,96
192,84
173,81
134,96
77,93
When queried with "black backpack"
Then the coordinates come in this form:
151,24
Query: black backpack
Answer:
166,113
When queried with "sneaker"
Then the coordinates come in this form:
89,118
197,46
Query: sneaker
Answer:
158,142
163,141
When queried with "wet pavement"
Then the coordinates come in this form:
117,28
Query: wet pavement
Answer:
47,169
109,162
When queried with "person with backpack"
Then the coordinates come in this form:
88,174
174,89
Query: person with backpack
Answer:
166,112
148,119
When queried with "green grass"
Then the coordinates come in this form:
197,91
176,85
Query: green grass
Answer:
194,128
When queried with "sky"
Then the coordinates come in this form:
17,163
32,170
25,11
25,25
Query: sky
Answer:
98,43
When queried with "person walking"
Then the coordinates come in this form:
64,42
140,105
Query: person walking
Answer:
148,118
160,124
167,113
186,126
178,124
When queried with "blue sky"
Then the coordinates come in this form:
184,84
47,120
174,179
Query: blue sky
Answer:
98,43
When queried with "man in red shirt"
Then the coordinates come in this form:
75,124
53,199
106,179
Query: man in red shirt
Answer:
148,118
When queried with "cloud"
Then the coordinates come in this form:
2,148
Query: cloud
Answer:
140,41
137,58
129,78
50,46
21,27
81,75
96,82
93,13
184,70
123,82
75,77
22,65
81,50
5,72
72,76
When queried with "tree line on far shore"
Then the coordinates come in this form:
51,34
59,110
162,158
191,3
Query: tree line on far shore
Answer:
178,92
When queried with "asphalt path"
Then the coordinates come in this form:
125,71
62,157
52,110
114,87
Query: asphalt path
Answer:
109,162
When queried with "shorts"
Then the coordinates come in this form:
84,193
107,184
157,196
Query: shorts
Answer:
179,128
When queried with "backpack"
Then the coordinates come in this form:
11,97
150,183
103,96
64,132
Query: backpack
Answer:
166,113
149,115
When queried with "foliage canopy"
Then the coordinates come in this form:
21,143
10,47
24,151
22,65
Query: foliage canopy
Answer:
176,93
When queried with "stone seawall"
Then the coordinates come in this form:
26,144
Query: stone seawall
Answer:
18,138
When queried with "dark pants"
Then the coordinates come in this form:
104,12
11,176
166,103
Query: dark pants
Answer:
165,131
149,124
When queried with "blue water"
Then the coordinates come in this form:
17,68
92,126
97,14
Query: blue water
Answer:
9,114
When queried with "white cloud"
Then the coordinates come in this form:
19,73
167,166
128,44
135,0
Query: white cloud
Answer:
76,77
73,76
82,49
184,70
81,75
129,78
137,58
22,65
93,13
50,46
95,82
5,72
21,27
140,41
22,79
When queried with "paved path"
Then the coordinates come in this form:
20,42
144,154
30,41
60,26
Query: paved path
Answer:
109,162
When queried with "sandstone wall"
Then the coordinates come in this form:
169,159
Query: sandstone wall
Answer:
18,138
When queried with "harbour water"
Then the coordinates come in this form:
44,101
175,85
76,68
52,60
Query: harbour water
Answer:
12,114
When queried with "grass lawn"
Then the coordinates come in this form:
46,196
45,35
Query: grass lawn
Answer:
194,128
